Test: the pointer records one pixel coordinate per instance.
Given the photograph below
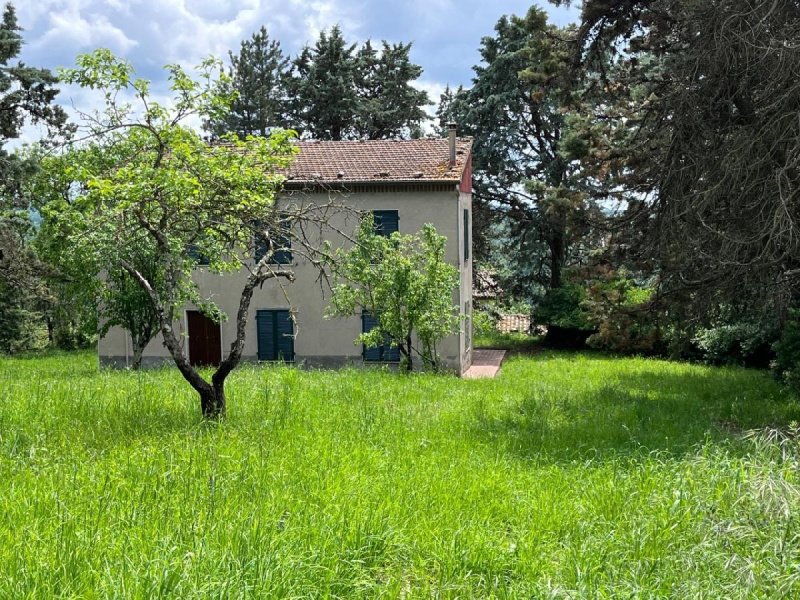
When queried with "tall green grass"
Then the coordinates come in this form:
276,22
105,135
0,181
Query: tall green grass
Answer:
569,476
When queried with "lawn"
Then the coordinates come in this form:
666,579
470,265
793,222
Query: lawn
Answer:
569,476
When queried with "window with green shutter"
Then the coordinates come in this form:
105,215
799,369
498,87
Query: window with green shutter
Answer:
386,222
466,234
384,353
275,330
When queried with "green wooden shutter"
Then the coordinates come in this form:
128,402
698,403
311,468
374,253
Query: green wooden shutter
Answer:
383,353
285,335
386,221
265,323
466,234
371,353
275,333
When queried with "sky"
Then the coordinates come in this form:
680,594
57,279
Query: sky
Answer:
151,33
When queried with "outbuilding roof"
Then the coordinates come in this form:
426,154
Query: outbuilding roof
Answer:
426,159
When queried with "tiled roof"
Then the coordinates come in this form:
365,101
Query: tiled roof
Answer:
426,159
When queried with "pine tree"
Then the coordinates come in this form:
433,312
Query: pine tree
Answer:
325,103
389,106
451,107
340,91
258,74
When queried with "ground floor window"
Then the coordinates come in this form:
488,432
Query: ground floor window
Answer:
275,335
384,353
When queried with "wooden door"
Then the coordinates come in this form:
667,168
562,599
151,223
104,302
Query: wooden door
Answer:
205,343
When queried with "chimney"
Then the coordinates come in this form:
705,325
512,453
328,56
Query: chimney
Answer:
451,133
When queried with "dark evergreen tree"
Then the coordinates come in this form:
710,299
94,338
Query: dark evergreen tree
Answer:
27,96
517,112
451,109
340,91
697,121
258,74
324,97
388,105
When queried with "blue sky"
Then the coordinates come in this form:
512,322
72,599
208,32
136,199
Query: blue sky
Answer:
152,33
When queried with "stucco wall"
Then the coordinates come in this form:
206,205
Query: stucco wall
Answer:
320,341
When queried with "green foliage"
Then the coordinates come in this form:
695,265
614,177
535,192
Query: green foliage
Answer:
357,483
564,307
27,96
147,188
737,342
406,283
22,328
484,322
258,79
621,310
341,92
787,353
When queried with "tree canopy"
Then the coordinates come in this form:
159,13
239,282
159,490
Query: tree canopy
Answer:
146,180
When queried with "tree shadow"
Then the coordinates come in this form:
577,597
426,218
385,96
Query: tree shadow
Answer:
638,412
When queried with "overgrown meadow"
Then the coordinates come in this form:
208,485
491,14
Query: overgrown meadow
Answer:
569,476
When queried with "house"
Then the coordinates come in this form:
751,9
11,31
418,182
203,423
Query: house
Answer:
406,184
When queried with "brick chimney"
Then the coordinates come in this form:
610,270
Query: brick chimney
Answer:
451,134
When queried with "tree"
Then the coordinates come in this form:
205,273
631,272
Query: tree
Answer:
148,181
403,281
258,76
449,109
388,105
323,87
340,91
697,124
27,96
517,111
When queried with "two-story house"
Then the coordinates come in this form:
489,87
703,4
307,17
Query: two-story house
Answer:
406,184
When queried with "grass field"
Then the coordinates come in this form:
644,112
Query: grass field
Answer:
569,476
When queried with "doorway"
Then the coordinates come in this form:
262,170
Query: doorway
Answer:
205,341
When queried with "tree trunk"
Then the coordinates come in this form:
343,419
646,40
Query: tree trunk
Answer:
138,350
557,257
212,402
212,395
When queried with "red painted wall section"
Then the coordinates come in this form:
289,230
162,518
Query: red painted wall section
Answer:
466,177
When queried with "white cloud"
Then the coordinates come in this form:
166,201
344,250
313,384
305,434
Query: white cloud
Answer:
71,28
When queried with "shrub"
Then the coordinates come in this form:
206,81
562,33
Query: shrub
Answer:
787,353
623,313
562,311
742,342
484,322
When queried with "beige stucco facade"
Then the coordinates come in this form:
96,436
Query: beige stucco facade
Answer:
320,341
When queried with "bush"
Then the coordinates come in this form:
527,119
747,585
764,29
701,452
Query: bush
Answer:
484,323
562,311
787,353
745,343
622,311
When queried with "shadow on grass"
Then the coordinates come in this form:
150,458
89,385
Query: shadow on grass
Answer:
635,412
513,343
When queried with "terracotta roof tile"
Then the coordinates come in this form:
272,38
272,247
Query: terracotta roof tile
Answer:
424,159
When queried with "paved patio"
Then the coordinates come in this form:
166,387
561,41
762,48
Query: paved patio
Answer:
485,364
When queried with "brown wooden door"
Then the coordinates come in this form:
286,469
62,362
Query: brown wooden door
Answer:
204,340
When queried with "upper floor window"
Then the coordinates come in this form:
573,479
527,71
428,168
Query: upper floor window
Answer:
466,234
194,252
386,222
280,243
